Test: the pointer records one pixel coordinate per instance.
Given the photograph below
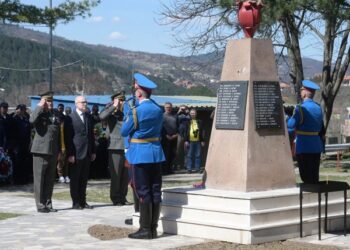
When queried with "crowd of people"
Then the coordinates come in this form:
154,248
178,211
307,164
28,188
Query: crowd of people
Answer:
15,140
182,141
182,135
128,137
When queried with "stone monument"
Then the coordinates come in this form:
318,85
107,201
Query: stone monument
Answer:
251,195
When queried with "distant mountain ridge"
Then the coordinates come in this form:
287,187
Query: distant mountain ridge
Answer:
110,67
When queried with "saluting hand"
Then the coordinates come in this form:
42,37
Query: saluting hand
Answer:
117,103
43,103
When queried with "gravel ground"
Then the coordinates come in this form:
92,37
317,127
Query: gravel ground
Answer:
276,245
105,232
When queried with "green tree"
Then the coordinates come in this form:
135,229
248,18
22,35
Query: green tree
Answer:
206,25
16,12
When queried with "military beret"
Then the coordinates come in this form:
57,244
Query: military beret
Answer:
4,105
310,85
144,82
120,95
47,95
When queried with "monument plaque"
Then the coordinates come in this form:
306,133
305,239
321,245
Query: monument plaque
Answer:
267,104
230,110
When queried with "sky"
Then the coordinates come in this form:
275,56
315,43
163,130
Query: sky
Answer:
126,24
133,25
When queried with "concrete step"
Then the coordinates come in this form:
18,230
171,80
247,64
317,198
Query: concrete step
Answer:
241,203
249,218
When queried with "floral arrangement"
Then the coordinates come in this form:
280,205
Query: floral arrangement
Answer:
6,169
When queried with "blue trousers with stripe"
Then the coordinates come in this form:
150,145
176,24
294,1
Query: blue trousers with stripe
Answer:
147,179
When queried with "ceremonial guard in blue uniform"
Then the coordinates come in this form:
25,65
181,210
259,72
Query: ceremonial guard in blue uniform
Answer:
308,123
143,125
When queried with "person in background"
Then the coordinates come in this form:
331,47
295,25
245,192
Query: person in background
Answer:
68,111
194,142
307,121
95,114
22,160
182,118
62,161
169,138
113,114
5,126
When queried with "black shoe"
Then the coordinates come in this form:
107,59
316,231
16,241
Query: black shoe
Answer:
127,203
189,171
77,206
128,221
52,210
43,210
118,203
154,234
141,234
87,206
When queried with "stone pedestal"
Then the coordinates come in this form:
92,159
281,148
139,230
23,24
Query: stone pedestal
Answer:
245,217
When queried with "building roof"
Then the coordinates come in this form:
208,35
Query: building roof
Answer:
102,100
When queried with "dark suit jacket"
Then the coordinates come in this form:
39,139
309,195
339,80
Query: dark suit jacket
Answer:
82,141
114,124
5,127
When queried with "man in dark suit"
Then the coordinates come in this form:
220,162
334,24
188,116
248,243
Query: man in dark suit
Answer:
45,149
119,174
80,151
5,126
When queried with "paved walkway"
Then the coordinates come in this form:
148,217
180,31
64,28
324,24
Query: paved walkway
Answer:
67,229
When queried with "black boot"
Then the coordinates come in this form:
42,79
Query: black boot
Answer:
145,223
155,218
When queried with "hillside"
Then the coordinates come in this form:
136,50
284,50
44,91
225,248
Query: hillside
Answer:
106,68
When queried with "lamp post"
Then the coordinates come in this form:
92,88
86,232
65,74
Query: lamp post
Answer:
50,52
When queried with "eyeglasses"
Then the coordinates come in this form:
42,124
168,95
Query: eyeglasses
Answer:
84,102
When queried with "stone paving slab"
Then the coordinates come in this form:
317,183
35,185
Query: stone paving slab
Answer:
67,229
336,239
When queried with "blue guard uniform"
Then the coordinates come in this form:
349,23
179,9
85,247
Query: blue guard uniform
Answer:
143,125
307,121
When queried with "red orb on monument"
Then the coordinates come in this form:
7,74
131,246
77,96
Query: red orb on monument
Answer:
249,13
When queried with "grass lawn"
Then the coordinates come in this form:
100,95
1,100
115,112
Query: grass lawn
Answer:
4,216
102,194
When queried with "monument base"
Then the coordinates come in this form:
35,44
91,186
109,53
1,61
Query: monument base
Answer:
244,217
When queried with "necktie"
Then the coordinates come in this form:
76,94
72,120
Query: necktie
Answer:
82,117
